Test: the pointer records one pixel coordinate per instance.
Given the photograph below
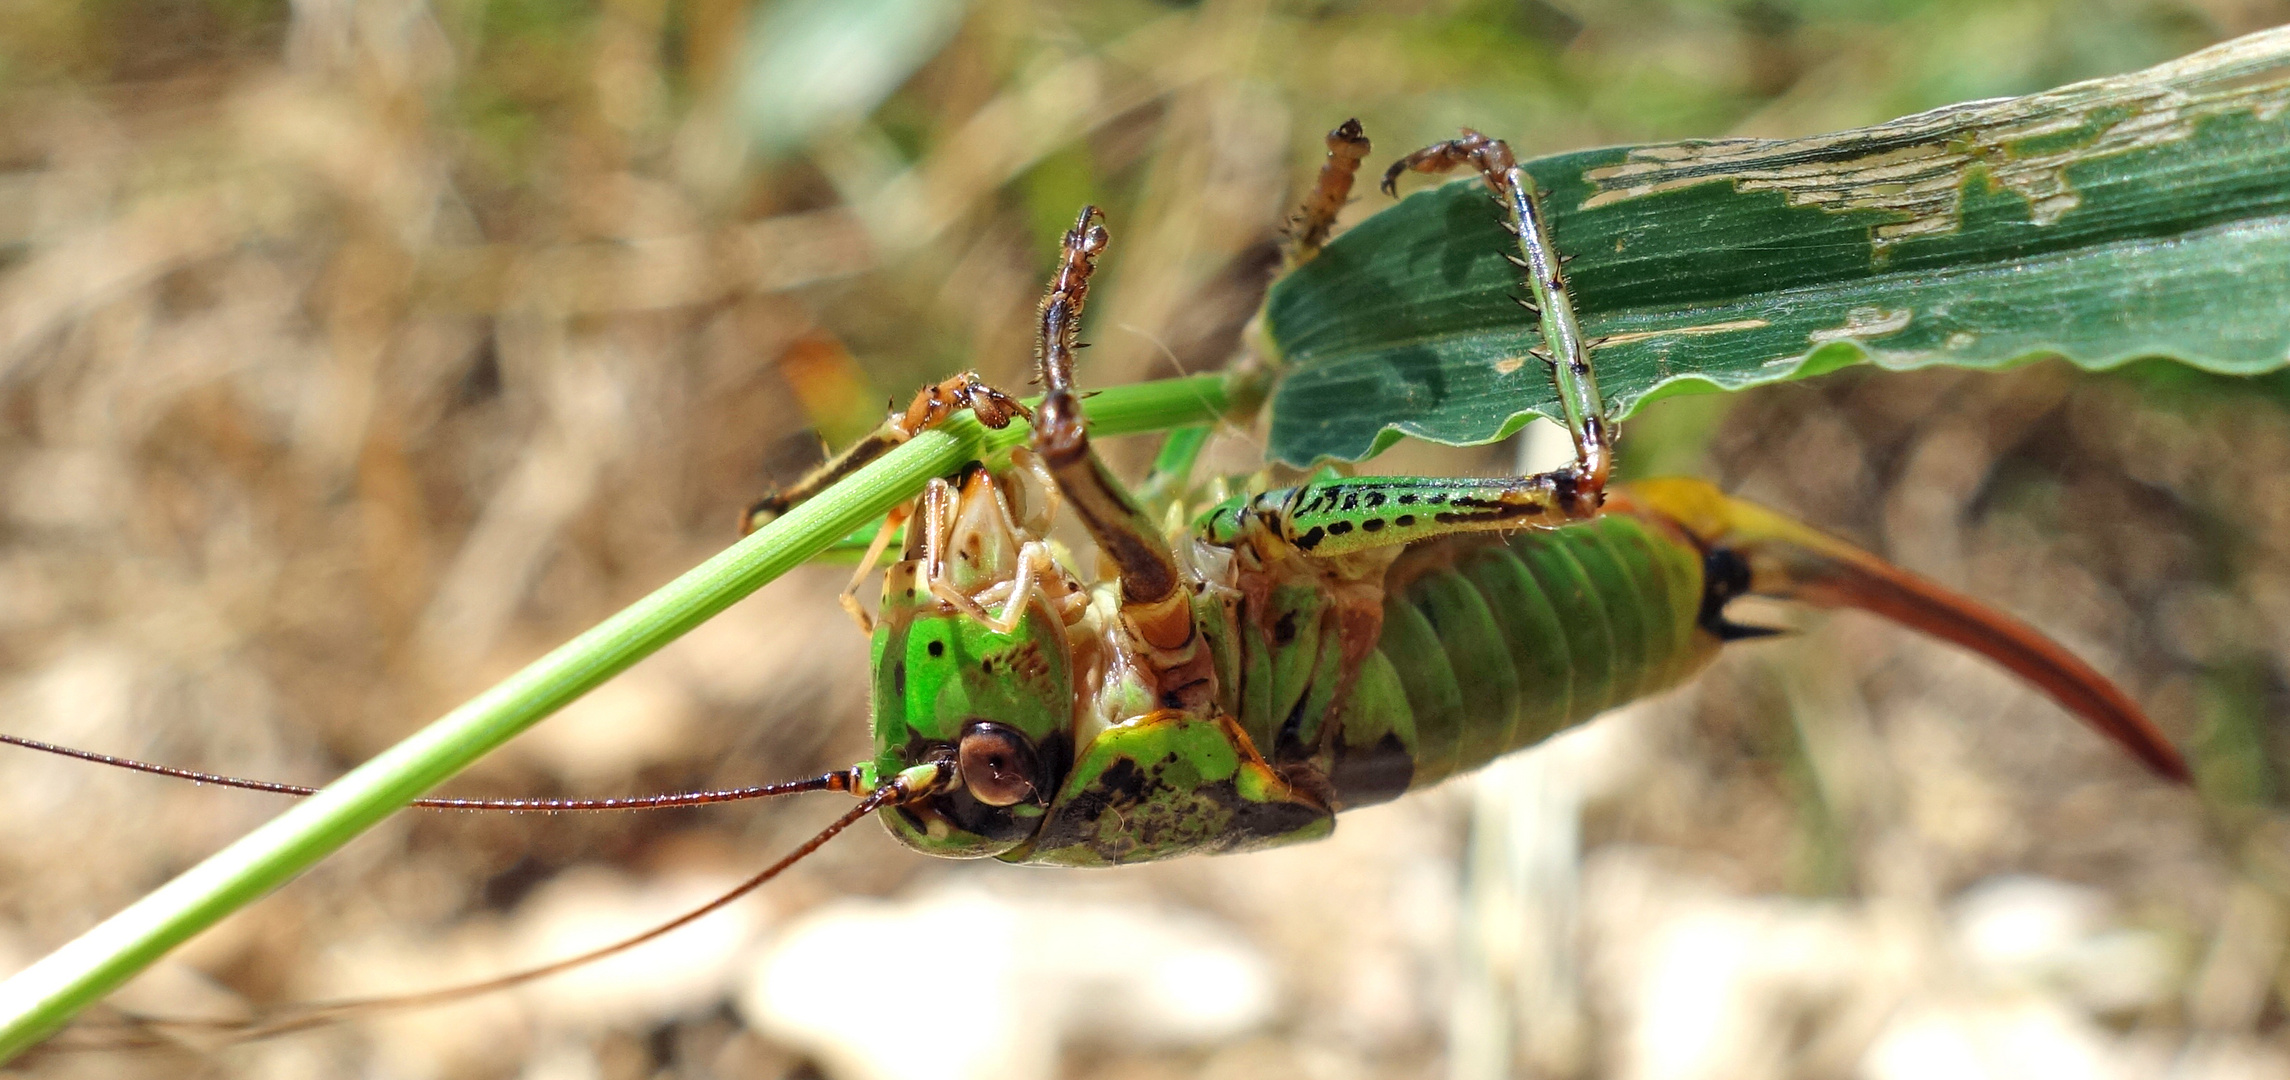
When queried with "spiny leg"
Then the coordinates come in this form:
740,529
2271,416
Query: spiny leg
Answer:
1154,603
1148,571
1037,564
1333,517
939,503
1583,484
930,407
1347,145
1338,517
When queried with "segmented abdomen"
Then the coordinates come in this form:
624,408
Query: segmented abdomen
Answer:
1490,644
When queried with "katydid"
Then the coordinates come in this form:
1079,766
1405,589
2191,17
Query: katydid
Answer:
1292,653
1335,644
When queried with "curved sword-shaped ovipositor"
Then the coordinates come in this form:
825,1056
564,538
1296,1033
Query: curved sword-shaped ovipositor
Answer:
1789,560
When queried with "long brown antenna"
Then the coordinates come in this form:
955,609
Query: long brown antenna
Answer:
141,1032
834,781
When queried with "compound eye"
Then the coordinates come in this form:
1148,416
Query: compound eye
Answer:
998,765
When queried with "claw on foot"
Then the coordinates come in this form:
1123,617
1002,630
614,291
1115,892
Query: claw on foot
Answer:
930,407
1491,157
934,404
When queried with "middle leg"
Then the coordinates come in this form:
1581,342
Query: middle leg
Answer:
1155,604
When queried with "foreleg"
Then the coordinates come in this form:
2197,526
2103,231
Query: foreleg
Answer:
930,407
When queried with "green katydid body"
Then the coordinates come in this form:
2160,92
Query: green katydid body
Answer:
1335,679
1343,678
1340,643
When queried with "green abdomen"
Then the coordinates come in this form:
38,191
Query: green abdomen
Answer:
1493,644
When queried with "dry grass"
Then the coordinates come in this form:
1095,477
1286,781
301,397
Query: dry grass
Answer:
351,355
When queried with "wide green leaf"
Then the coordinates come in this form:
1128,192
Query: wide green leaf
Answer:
2142,215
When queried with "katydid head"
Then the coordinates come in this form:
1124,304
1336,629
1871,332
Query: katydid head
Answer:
951,686
998,706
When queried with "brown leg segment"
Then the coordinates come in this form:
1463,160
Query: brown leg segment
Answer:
1491,157
930,407
1154,604
1347,145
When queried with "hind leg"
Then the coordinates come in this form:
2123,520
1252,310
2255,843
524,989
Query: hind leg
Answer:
1581,485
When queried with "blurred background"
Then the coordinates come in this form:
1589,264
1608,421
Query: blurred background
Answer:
353,354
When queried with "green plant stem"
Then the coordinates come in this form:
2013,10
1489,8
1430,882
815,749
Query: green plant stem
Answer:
45,996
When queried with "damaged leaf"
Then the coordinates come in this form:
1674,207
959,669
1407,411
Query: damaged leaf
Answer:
2141,215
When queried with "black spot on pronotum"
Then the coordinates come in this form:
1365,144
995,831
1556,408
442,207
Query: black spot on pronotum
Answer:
937,649
1284,631
898,678
1124,782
